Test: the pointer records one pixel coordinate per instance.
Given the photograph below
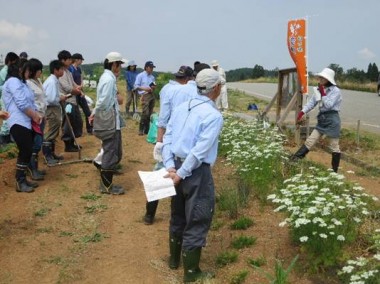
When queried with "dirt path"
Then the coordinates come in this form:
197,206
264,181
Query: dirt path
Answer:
66,232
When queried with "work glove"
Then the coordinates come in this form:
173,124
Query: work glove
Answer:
157,151
321,89
68,108
300,115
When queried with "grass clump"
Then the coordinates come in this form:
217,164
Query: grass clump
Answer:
90,197
226,257
239,277
42,212
257,262
243,242
243,223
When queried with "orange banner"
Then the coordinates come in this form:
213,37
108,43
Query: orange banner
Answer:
297,49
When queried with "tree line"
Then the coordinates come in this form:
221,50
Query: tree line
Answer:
351,75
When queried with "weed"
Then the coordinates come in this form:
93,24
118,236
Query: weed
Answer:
243,242
257,262
55,260
280,274
216,224
65,234
226,257
94,238
91,196
239,277
42,212
243,223
95,208
228,200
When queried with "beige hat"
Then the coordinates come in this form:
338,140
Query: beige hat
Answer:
328,74
207,79
115,57
214,63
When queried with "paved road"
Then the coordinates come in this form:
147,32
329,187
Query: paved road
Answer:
356,105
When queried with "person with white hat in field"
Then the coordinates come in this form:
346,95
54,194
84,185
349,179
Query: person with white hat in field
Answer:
329,100
222,100
190,149
106,122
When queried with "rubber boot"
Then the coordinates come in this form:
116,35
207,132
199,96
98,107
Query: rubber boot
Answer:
47,151
192,272
175,246
41,172
106,185
141,127
55,156
151,208
335,161
32,169
70,147
300,154
21,182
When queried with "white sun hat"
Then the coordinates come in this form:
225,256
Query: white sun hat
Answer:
115,57
214,63
328,74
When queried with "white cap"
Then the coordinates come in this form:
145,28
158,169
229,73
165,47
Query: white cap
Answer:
207,79
214,63
131,63
328,74
115,57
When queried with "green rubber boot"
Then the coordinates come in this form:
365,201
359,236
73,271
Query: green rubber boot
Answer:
193,273
175,245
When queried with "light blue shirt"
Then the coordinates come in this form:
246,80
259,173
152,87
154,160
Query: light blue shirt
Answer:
106,95
192,133
51,88
174,96
332,101
166,95
18,97
143,79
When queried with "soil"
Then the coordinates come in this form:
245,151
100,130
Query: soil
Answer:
60,234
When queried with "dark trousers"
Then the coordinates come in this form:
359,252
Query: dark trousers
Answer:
82,102
24,141
113,151
76,124
192,208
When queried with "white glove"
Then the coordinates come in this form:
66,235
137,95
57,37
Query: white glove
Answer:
157,151
68,108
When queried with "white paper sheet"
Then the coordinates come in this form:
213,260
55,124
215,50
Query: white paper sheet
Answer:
155,185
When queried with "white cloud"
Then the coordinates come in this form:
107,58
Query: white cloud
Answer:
366,54
14,31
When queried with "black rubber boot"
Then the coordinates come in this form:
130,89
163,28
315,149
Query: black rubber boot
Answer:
21,182
300,154
193,273
70,146
32,169
335,161
151,208
175,245
41,172
48,155
106,185
55,156
141,127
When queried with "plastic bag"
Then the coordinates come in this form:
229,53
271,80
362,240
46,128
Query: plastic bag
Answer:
153,127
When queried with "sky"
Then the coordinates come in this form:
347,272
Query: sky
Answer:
237,33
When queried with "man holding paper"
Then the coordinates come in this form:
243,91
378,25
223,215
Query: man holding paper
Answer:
190,147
